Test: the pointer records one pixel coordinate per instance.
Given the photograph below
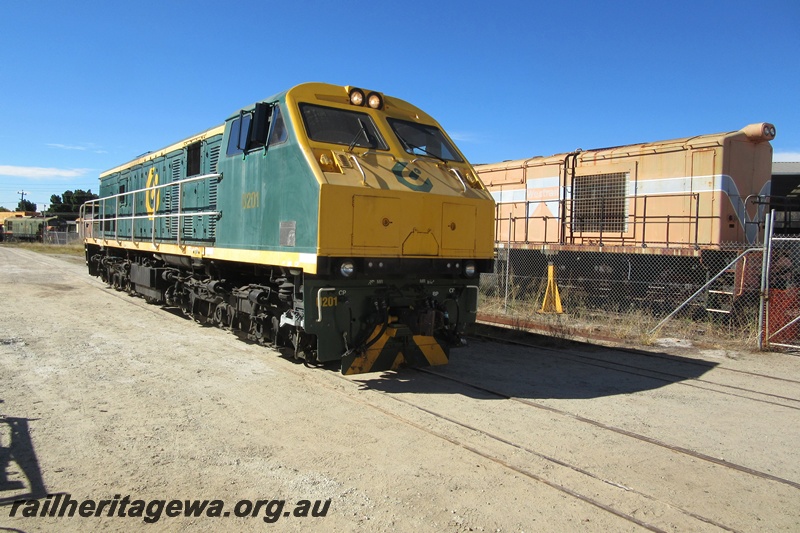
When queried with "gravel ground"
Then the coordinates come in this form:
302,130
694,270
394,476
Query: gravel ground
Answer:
104,397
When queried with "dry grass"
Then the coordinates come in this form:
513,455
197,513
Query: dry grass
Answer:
632,327
50,249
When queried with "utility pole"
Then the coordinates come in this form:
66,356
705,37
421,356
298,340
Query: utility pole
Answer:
22,195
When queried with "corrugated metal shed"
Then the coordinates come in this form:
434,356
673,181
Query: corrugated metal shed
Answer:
785,168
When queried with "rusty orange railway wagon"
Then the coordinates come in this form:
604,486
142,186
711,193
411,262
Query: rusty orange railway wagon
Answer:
626,213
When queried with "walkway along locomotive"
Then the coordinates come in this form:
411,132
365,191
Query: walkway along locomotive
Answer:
339,223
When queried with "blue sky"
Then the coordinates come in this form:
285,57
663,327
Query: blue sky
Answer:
88,85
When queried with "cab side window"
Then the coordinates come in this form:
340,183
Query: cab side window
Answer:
239,131
251,129
279,133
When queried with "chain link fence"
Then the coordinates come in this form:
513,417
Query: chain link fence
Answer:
620,295
61,237
732,295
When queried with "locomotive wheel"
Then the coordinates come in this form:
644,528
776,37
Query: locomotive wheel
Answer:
186,305
220,314
260,331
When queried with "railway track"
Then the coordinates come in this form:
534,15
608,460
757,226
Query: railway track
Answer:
571,491
692,455
684,379
496,458
621,431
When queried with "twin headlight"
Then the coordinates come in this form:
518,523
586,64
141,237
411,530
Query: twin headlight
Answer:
372,99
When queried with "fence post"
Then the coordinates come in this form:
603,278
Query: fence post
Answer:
763,304
508,263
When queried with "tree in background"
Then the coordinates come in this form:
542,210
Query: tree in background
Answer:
26,205
68,205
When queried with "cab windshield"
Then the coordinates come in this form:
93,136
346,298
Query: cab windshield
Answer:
421,139
339,126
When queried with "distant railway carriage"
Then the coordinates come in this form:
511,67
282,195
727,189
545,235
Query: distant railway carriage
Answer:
341,223
609,216
30,228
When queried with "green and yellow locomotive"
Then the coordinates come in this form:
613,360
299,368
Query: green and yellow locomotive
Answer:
339,223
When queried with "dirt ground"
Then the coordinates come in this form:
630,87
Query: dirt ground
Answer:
104,397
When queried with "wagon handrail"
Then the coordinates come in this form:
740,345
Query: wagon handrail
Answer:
636,230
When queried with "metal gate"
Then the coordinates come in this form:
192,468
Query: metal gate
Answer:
779,314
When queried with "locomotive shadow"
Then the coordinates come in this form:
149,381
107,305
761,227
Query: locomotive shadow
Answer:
550,367
486,370
283,352
18,457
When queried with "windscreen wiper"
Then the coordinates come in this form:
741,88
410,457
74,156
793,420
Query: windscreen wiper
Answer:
411,147
361,131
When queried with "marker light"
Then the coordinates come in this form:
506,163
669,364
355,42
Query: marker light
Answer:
356,97
375,101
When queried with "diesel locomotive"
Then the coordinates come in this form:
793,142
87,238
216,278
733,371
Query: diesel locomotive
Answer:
701,191
650,222
31,228
338,223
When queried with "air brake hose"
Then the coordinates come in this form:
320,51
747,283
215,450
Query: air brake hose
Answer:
368,344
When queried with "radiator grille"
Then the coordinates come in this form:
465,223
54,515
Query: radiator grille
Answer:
172,199
599,202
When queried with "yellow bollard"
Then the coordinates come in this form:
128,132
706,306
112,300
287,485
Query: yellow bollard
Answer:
552,301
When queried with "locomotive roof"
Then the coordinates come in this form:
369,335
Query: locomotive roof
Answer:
149,156
752,132
312,90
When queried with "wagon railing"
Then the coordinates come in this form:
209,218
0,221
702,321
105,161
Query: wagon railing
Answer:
101,217
641,224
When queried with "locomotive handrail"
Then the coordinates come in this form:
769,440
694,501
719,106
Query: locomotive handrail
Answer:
363,174
443,162
165,215
161,186
458,175
319,301
377,152
180,214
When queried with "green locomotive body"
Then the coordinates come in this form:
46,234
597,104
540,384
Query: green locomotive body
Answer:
339,223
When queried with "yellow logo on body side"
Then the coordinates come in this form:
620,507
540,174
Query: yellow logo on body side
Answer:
151,196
